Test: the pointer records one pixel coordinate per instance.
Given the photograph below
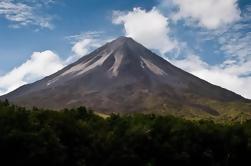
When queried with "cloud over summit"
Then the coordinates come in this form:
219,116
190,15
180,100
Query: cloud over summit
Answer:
147,27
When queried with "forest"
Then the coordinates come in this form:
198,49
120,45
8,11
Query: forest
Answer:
79,137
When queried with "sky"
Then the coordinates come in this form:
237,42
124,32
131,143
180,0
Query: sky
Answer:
208,38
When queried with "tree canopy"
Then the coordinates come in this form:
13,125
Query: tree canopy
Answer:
78,137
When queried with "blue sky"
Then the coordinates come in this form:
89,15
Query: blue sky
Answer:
208,38
68,18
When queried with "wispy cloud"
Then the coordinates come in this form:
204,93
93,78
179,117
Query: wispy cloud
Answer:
25,13
235,41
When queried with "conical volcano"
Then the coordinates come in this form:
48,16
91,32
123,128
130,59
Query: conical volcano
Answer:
123,76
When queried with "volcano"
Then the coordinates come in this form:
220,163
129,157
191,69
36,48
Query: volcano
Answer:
124,77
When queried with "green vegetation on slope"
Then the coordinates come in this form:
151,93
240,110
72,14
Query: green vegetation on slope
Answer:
78,137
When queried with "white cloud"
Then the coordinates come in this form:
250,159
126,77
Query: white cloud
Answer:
236,45
210,14
235,40
81,48
23,14
40,64
85,43
228,76
147,27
